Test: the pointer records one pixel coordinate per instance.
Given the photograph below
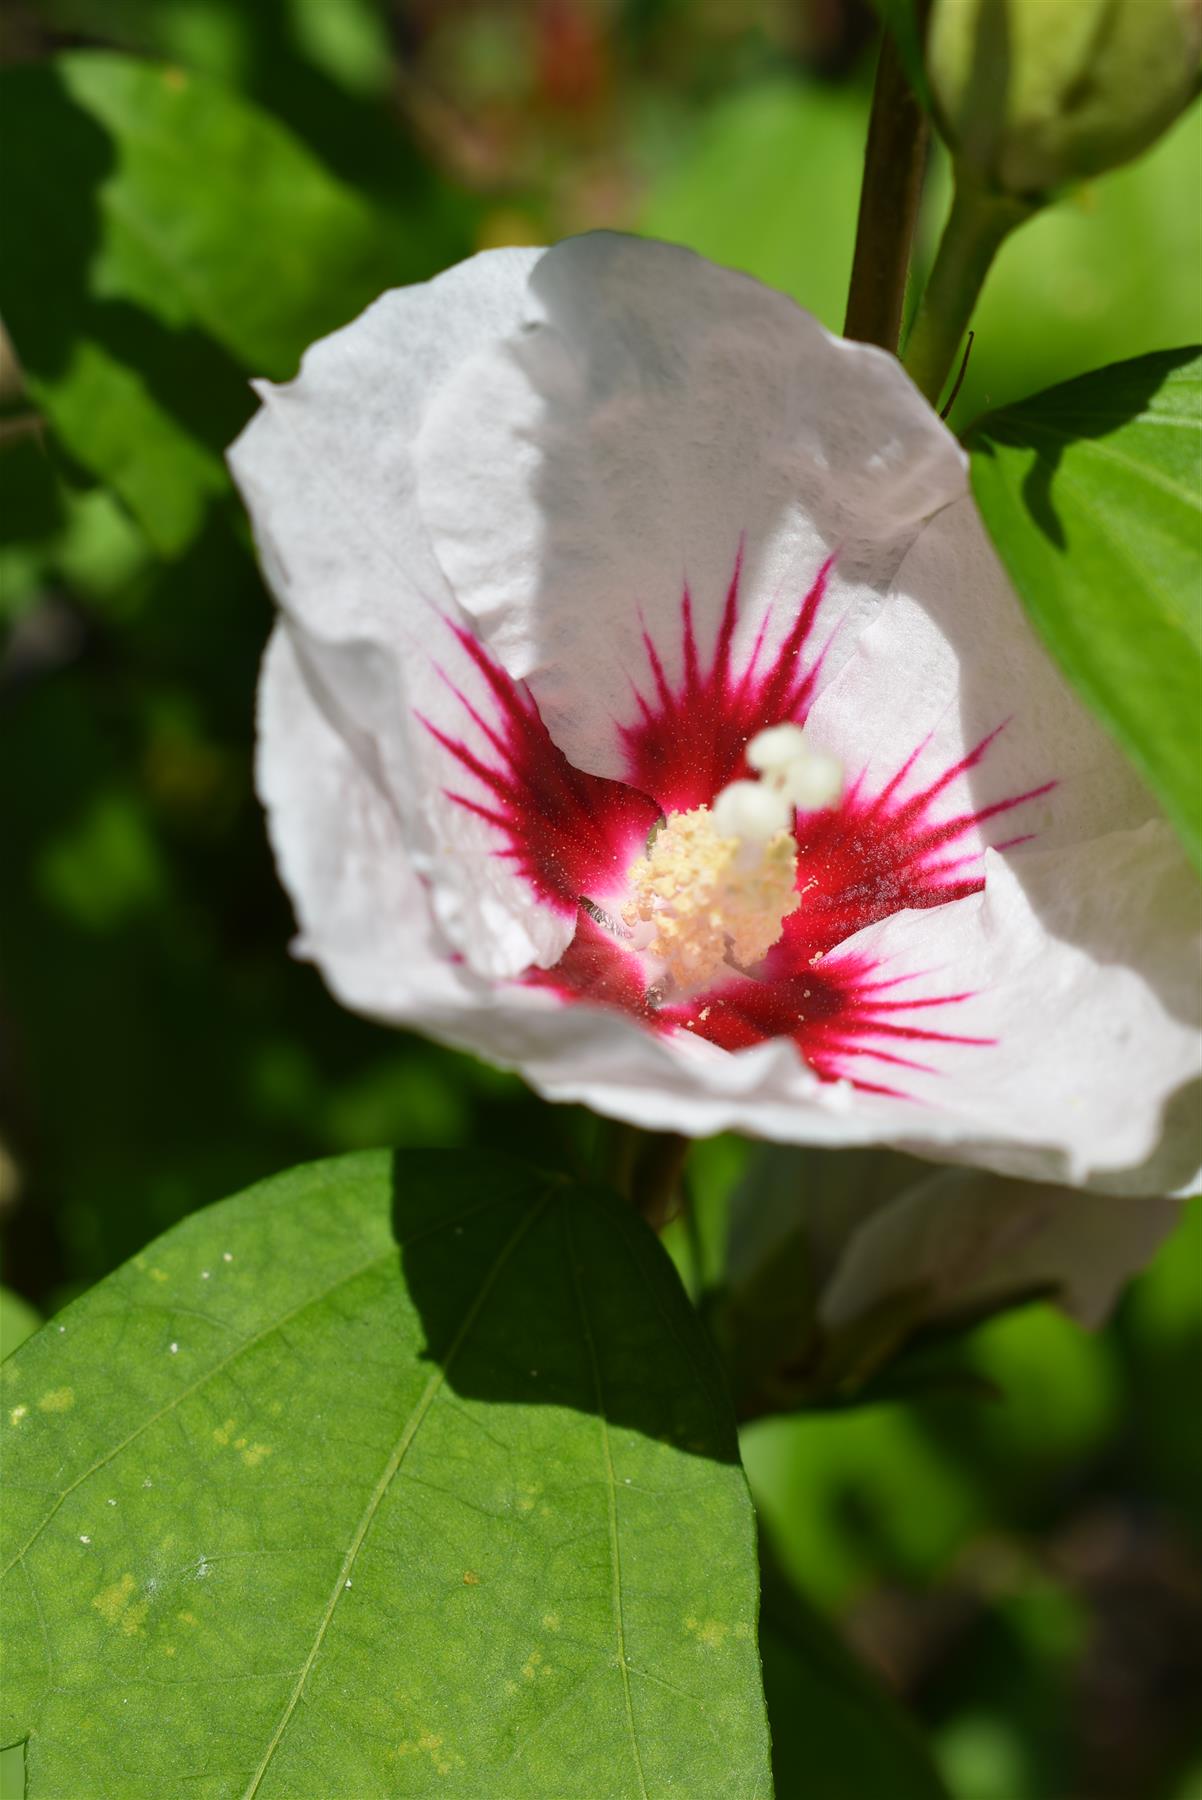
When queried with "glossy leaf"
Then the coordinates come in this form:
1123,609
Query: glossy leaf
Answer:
165,239
391,1476
18,1320
1092,493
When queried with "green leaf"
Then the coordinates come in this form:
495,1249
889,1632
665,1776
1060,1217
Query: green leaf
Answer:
18,1320
1092,493
388,1477
836,1734
165,238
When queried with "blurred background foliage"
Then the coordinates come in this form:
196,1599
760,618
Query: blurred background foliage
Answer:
193,190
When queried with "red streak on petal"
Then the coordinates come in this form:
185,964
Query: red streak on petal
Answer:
833,1018
832,1015
872,856
567,833
689,740
573,835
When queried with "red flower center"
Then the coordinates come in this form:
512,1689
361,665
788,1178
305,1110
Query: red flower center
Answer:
573,837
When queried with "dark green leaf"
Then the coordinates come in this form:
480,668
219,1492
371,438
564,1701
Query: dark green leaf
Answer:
18,1320
164,237
1092,493
391,1476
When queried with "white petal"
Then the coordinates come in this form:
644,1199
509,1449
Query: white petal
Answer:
326,470
949,661
365,919
1079,971
1082,967
651,413
336,522
967,1241
642,412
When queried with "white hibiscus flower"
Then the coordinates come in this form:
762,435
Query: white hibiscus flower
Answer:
559,540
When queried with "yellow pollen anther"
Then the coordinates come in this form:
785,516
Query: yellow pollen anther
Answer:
701,900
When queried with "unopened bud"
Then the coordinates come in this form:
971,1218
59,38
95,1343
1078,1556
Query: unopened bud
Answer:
1032,94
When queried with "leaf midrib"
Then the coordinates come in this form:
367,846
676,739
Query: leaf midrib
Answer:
388,1474
611,1497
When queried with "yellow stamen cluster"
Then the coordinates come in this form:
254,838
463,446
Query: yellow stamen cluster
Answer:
701,900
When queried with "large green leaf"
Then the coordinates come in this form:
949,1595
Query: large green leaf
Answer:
1092,493
391,1476
164,238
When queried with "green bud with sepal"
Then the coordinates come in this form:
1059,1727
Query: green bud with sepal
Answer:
1034,94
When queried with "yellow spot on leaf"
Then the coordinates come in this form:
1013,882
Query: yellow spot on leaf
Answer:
58,1400
111,1602
158,1275
429,1744
254,1456
186,1618
223,1433
530,1666
168,1649
551,1621
17,1414
710,1632
133,1620
470,1578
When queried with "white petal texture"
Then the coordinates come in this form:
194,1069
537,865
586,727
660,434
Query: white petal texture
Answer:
968,1242
553,538
834,1259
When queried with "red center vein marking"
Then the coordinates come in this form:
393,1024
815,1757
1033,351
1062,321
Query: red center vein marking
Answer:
572,836
688,740
567,833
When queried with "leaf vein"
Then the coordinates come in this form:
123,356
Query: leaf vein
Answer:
400,1449
615,1548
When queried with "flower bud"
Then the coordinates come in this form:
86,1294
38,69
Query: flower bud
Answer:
1031,94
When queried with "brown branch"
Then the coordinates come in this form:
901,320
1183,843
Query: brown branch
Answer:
894,163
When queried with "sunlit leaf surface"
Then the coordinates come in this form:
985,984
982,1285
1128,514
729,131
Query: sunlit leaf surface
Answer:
391,1476
1092,493
164,239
